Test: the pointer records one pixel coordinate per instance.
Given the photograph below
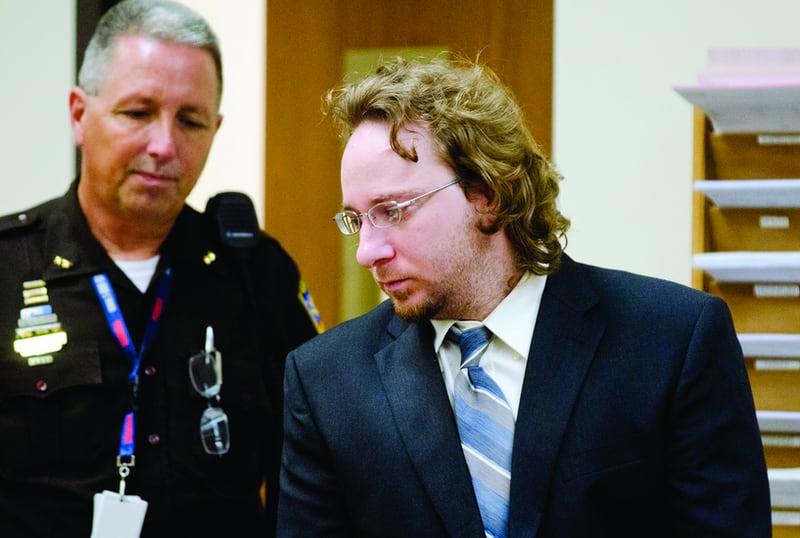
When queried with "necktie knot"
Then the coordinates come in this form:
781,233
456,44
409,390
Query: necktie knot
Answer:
473,342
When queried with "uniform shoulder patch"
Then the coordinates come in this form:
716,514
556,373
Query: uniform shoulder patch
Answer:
308,303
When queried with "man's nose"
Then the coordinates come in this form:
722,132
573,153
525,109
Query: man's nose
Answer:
161,141
373,245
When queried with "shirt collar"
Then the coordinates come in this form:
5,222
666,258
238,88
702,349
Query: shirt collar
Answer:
513,320
192,240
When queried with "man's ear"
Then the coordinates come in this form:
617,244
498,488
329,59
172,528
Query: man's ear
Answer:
487,218
77,108
488,222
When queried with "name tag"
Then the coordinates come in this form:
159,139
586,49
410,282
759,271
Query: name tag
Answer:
117,516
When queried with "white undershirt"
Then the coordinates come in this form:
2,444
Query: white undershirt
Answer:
140,272
511,323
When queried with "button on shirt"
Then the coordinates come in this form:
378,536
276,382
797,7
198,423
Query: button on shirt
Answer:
511,323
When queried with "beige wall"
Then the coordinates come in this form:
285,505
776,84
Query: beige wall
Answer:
622,136
236,161
37,50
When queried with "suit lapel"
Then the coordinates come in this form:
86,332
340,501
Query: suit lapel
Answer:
564,342
418,399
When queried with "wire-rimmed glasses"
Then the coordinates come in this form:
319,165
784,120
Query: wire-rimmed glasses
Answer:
382,215
205,373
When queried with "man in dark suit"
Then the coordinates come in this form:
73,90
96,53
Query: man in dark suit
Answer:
598,402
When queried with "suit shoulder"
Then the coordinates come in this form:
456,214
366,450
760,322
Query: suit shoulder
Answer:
633,281
623,291
351,335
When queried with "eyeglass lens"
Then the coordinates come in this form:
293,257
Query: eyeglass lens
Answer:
214,431
349,222
205,373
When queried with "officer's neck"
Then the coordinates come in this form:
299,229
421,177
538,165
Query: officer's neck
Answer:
124,237
128,245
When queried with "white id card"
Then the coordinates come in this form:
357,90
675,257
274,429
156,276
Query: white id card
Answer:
117,518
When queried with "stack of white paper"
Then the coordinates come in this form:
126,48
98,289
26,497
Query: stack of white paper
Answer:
762,66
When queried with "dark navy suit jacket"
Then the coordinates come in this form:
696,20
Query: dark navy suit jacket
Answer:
636,419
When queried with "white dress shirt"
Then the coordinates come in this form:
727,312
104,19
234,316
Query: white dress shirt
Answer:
511,323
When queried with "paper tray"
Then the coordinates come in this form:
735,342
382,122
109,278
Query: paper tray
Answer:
784,486
770,345
779,421
751,193
746,266
766,109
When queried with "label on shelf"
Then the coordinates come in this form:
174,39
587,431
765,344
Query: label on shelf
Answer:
778,140
781,441
773,222
770,365
776,290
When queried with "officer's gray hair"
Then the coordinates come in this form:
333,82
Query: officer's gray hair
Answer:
159,19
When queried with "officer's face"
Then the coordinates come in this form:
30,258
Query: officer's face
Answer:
146,135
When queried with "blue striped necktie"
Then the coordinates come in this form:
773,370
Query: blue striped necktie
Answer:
486,426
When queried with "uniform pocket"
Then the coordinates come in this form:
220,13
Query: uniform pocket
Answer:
53,414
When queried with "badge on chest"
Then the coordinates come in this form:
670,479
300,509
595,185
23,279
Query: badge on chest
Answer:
39,333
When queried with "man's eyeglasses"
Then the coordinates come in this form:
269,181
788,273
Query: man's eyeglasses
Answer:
205,373
382,215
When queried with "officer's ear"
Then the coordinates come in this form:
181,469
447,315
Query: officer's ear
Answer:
77,109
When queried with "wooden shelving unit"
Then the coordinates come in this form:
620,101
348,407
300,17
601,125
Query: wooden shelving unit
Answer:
746,242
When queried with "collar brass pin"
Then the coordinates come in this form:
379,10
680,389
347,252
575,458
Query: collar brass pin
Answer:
62,262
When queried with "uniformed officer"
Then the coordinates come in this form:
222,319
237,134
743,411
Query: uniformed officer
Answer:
124,310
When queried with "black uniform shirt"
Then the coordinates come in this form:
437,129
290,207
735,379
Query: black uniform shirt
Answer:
61,411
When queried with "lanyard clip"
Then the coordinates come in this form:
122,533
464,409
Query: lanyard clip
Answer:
124,471
126,461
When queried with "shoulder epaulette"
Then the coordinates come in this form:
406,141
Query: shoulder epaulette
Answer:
16,221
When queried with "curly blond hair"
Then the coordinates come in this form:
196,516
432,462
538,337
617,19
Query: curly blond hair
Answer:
479,131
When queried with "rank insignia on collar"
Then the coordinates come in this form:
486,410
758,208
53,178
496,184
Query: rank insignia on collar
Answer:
62,262
39,333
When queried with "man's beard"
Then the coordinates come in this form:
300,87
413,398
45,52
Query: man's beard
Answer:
426,310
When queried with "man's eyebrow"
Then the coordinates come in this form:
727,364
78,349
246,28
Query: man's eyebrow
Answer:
135,100
399,196
200,109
